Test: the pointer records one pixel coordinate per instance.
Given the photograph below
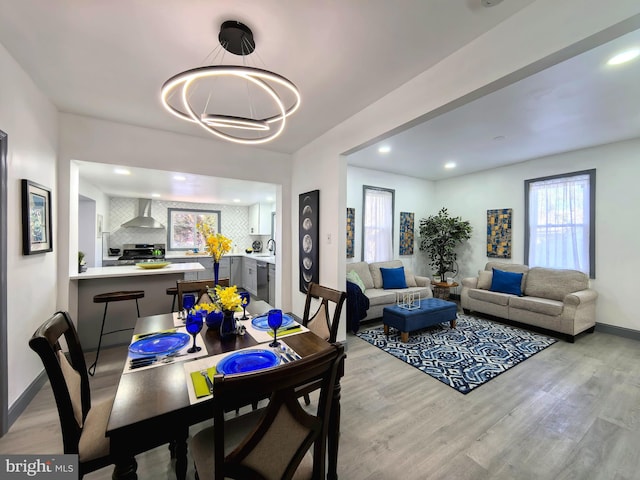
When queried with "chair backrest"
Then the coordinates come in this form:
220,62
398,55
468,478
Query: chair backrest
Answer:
321,322
284,420
199,287
67,375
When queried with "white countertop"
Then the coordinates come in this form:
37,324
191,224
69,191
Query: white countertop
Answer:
133,271
195,256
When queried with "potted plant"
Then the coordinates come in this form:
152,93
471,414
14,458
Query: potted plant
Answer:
439,236
82,264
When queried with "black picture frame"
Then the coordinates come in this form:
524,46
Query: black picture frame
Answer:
37,228
309,245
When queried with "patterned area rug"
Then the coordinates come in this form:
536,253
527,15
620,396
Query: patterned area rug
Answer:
466,357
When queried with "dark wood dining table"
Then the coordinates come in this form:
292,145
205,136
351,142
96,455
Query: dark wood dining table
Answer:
152,407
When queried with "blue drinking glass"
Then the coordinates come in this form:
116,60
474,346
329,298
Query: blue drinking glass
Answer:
188,302
274,319
246,299
194,326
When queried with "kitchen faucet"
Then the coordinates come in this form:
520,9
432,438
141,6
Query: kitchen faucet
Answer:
271,246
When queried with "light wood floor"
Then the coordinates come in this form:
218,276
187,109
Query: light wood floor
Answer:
570,412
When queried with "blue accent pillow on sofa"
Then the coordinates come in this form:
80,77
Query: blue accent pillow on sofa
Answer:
506,282
393,278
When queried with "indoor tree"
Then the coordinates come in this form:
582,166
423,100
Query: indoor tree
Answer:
439,236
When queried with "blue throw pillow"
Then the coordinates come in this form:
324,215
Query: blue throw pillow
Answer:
506,282
393,278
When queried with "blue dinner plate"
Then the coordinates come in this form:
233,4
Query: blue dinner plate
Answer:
247,361
262,322
160,343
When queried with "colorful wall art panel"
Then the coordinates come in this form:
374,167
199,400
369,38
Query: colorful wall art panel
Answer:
351,218
499,233
309,244
406,233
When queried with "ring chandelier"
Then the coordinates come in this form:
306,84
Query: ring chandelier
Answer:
236,38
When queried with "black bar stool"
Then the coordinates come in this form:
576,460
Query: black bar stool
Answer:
173,291
113,297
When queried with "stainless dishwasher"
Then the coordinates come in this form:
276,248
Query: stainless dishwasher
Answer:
262,273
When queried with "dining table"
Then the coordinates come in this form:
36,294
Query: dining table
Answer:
152,406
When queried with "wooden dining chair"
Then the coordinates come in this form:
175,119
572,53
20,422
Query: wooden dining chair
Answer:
199,287
83,424
321,322
273,442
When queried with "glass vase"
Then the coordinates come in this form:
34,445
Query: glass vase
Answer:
228,325
216,272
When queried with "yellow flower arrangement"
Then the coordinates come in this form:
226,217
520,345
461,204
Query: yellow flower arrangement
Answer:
206,307
227,298
216,244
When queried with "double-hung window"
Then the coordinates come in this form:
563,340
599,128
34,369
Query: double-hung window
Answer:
377,223
560,226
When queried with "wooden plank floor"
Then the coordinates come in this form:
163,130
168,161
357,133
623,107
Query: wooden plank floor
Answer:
569,412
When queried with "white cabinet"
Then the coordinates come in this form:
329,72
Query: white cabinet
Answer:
272,284
235,271
249,276
260,219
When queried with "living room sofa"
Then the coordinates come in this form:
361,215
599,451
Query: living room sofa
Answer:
378,296
553,299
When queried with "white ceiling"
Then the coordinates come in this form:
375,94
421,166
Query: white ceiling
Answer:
109,59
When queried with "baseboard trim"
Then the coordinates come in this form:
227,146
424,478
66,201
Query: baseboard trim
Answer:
619,331
24,400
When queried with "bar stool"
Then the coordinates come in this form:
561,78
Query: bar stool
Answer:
113,297
173,291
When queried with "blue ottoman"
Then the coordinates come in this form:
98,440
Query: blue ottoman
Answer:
431,312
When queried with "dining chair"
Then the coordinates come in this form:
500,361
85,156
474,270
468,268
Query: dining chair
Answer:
273,442
83,424
199,287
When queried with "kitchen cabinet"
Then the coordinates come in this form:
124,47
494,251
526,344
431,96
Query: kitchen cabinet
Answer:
207,263
249,275
272,284
260,219
235,271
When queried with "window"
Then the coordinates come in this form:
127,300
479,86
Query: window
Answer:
560,228
182,232
377,224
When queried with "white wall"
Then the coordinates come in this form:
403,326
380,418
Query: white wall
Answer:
101,200
30,122
537,32
617,230
411,195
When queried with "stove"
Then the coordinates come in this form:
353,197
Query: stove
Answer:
133,253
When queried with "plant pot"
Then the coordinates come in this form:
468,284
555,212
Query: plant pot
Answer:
214,319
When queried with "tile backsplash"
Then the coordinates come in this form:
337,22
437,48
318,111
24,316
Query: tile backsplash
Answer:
234,222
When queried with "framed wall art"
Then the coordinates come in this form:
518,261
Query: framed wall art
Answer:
37,229
406,233
309,215
351,218
499,233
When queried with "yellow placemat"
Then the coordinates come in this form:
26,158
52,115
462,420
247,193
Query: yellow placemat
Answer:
200,384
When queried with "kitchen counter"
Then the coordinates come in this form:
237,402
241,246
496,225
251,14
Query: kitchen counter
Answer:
123,315
261,257
133,271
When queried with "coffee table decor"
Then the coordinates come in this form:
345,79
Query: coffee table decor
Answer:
466,357
408,300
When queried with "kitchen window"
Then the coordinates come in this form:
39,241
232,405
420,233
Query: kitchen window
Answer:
183,233
560,227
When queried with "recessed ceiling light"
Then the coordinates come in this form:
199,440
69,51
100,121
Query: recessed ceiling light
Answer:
236,200
450,165
269,199
180,178
624,57
156,195
122,171
384,149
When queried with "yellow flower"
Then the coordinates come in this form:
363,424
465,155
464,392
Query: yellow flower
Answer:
216,244
228,298
207,307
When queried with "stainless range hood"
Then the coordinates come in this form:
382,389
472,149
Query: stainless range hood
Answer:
144,218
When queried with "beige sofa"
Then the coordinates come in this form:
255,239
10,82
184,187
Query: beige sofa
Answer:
556,300
378,297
